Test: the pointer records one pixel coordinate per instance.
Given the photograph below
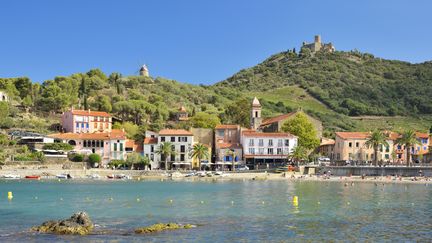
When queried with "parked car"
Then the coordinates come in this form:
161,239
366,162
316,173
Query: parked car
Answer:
242,168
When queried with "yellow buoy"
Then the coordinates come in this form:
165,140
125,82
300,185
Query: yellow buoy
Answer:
10,196
295,201
319,203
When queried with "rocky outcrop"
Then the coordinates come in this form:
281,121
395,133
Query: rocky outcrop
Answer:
78,224
161,227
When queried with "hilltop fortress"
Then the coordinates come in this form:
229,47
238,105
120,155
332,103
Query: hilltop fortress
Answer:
318,46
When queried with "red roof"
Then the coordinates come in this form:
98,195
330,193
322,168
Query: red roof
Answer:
267,134
90,113
227,145
277,119
150,140
227,126
353,135
422,135
114,134
175,132
327,141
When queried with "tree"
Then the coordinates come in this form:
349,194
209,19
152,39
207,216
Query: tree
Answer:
238,112
94,158
58,146
138,160
393,156
408,138
204,120
298,153
165,150
103,103
301,127
200,151
374,140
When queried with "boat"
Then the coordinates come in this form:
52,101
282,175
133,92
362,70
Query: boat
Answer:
32,177
64,176
110,176
94,176
11,176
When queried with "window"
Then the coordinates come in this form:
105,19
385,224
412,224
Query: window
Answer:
121,147
152,148
182,149
220,133
280,143
387,156
279,151
350,144
261,151
87,125
251,142
172,148
101,144
182,157
85,143
162,139
97,143
182,139
172,139
270,142
399,156
115,147
172,157
387,149
286,142
270,151
357,144
338,156
93,144
261,142
251,150
256,113
77,125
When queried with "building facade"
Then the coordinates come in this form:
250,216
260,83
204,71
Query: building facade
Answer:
182,142
86,121
267,150
255,116
228,150
317,45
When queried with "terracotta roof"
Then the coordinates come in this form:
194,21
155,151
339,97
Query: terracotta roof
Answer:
90,113
129,143
393,135
267,134
277,118
228,145
327,141
150,140
422,135
114,134
353,135
176,132
227,126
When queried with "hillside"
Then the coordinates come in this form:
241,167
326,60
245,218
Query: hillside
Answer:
350,83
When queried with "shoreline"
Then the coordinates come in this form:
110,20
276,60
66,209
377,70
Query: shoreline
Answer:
83,174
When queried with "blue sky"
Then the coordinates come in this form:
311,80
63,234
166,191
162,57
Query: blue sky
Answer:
198,41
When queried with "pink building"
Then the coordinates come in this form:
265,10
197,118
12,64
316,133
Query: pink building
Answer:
86,121
109,145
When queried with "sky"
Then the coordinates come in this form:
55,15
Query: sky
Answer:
196,41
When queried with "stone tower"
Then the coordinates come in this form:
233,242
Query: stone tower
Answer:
144,71
317,39
255,118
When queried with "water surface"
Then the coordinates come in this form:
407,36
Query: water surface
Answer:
231,211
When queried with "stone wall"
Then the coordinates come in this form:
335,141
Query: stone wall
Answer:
376,171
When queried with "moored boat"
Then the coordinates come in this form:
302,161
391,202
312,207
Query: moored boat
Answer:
33,177
11,176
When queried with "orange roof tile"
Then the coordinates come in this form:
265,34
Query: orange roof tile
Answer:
90,113
267,134
115,134
277,119
175,132
227,126
327,141
129,143
150,140
353,135
422,135
227,145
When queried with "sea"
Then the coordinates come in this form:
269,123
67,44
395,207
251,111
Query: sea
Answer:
222,211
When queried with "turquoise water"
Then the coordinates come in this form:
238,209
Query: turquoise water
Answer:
242,211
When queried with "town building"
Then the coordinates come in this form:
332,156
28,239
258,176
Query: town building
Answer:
317,45
86,121
351,146
182,142
182,114
228,149
3,96
203,136
149,149
109,145
255,116
274,124
326,148
267,150
418,151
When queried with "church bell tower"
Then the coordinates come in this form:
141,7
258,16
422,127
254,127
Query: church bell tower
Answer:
255,117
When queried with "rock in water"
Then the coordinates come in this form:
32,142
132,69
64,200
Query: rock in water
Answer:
161,227
78,224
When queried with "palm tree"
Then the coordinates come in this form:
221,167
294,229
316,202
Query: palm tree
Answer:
200,151
376,139
232,154
165,150
298,153
408,138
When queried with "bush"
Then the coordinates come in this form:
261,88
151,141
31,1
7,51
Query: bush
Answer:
58,146
77,158
117,163
94,158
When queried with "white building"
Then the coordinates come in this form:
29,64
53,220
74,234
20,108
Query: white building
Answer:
264,150
182,142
